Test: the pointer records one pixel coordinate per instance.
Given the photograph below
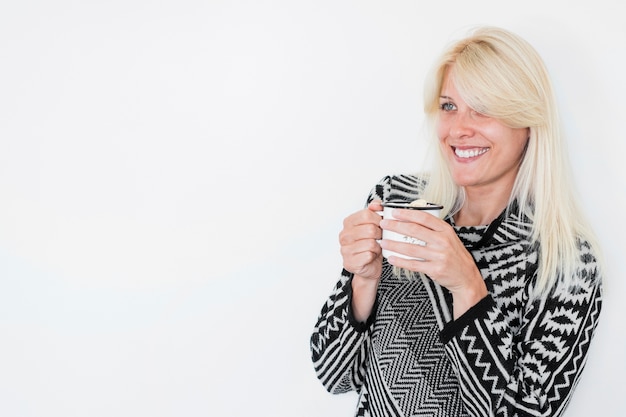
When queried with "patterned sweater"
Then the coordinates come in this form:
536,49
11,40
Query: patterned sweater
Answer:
506,356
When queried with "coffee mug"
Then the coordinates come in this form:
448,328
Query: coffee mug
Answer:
388,208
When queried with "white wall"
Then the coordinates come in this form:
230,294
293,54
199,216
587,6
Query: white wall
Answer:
174,174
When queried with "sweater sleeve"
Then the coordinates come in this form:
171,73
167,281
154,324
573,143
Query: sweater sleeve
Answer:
339,343
530,370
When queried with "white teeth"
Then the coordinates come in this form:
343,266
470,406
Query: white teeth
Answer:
469,153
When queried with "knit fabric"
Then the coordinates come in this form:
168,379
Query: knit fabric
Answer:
506,356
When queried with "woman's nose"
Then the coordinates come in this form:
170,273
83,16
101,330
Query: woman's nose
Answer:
463,124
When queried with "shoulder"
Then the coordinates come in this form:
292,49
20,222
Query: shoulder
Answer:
589,267
583,283
399,187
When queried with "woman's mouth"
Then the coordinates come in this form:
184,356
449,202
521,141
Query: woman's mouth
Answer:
469,153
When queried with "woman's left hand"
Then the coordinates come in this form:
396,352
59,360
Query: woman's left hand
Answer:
443,258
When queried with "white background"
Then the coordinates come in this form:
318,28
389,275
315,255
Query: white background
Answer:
174,174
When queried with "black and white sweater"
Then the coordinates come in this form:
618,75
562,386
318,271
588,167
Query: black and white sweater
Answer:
506,356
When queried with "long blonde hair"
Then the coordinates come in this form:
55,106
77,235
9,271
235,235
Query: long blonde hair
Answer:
502,76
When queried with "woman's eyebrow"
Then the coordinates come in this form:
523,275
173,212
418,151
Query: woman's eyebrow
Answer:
445,97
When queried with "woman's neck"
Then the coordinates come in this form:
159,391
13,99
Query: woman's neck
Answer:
481,208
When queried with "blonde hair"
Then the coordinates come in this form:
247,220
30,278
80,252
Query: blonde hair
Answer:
499,74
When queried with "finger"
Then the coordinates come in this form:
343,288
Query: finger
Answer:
365,216
422,217
411,230
375,205
361,232
412,250
356,260
359,247
413,265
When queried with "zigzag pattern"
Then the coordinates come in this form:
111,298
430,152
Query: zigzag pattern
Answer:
513,358
409,352
570,377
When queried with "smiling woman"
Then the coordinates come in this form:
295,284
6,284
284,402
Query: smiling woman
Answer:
499,80
494,314
482,153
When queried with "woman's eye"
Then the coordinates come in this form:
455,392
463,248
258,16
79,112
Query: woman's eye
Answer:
447,106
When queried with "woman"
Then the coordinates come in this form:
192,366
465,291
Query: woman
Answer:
497,316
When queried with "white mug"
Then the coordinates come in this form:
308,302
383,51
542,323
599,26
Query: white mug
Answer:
388,207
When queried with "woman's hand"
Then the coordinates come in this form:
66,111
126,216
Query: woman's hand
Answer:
360,250
444,257
363,257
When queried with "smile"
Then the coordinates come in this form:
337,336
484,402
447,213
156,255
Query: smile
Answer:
469,153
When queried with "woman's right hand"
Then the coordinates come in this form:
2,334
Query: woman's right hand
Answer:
360,250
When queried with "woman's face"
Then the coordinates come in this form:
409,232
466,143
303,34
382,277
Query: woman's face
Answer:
482,153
